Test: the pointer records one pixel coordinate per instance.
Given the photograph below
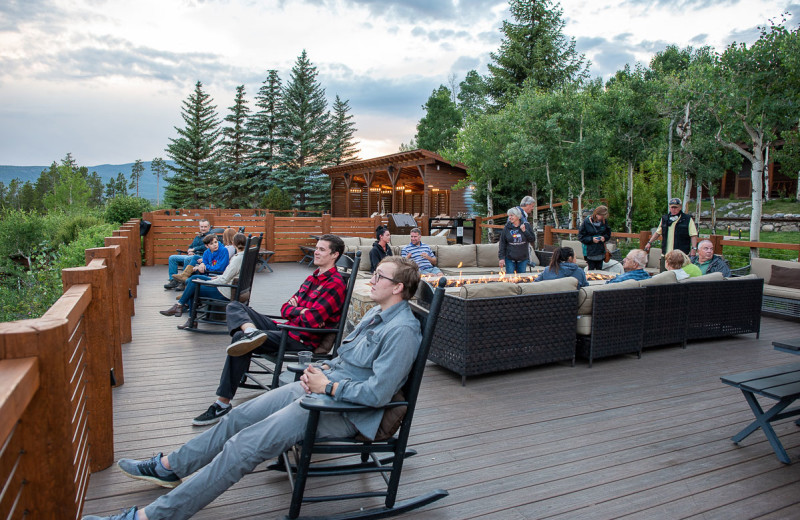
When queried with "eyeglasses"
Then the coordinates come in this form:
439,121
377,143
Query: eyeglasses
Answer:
376,276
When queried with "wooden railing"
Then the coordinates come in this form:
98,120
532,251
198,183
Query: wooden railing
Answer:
56,374
282,234
549,231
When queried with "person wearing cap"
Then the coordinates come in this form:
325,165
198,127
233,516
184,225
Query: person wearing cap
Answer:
677,231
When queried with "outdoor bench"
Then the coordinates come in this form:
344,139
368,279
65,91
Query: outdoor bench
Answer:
782,384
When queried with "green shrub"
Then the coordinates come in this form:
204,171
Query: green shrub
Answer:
63,228
121,209
22,233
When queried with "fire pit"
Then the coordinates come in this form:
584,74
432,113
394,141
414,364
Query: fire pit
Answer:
458,281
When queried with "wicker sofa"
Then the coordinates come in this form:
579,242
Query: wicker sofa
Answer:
780,300
489,328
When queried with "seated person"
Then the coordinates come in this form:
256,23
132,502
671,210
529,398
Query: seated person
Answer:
196,248
373,364
206,291
215,260
380,248
420,253
317,304
562,265
678,261
227,241
708,262
634,264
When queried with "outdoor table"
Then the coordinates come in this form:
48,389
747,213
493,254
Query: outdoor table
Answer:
790,346
781,383
263,260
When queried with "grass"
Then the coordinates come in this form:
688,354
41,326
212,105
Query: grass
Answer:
784,205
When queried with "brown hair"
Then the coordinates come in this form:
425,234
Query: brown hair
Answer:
209,238
599,210
335,243
406,272
227,236
239,241
561,254
676,259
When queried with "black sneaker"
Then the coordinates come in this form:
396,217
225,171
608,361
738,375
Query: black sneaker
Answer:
180,286
147,470
130,514
247,343
171,284
211,416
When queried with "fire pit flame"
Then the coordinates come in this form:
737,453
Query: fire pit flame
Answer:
502,276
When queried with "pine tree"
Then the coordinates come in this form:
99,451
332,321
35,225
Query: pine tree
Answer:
263,134
533,50
437,129
344,148
136,173
195,153
305,147
234,190
158,168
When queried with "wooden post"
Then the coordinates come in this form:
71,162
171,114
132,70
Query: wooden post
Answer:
269,231
574,214
122,276
99,359
121,328
478,230
548,235
717,241
44,430
326,224
644,236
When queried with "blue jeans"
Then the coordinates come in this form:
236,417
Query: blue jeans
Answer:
516,266
205,291
183,260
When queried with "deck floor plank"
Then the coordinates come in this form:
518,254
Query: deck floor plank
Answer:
628,438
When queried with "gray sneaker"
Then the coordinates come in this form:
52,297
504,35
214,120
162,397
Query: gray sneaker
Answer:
247,343
149,470
212,415
130,514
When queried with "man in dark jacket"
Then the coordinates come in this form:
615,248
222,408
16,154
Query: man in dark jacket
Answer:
708,262
677,231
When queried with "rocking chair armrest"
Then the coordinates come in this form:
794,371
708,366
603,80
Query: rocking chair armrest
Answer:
319,405
284,326
209,282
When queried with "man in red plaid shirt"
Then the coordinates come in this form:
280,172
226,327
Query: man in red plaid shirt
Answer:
317,304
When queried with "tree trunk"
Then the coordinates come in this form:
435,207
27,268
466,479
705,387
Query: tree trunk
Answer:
766,174
550,186
579,218
713,210
687,190
669,160
629,203
490,208
535,195
698,202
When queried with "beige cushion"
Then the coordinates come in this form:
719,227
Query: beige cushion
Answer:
785,277
750,276
469,271
435,240
654,258
488,290
763,267
581,263
351,243
451,256
365,264
487,255
667,277
584,327
781,292
400,240
576,246
585,295
705,278
550,286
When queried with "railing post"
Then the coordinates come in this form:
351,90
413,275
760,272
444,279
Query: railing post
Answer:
120,332
269,231
644,236
548,235
478,238
122,274
44,429
99,360
326,224
717,241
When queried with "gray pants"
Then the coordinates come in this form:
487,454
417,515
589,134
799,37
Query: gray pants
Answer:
251,433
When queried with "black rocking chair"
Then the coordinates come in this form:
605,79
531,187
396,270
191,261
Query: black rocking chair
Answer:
213,309
273,364
298,459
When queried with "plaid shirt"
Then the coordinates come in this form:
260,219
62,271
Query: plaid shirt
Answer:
323,295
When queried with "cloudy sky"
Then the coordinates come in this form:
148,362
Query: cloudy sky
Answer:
104,79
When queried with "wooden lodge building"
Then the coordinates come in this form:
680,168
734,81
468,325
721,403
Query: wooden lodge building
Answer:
415,182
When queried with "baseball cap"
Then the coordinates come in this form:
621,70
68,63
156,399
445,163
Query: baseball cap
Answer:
675,201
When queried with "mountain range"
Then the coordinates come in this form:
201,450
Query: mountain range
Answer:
147,183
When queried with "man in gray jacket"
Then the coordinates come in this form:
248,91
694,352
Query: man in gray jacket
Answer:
708,262
372,365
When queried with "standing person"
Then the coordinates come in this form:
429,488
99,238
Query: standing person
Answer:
677,231
514,240
676,260
594,233
526,205
380,248
708,262
196,249
373,364
420,253
317,304
210,291
563,265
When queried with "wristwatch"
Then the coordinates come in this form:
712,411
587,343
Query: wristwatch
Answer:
329,388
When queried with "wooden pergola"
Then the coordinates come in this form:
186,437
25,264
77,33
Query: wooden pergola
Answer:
415,182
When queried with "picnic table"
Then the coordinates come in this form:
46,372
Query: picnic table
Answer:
781,383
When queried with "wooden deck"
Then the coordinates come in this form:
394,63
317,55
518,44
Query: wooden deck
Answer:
629,438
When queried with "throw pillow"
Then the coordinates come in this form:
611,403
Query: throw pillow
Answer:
785,277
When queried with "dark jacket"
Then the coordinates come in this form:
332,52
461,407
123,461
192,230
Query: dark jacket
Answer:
377,253
514,242
589,230
681,240
565,270
716,265
197,244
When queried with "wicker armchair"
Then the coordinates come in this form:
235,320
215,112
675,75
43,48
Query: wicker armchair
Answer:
617,324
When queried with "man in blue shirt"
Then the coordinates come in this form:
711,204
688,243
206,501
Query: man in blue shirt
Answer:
634,264
372,365
421,254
